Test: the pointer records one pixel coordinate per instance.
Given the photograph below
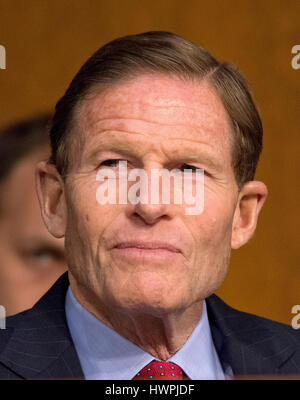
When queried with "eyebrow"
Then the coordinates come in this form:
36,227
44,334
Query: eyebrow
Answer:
128,148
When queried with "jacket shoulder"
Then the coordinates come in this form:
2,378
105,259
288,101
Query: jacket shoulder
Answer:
38,339
232,319
253,345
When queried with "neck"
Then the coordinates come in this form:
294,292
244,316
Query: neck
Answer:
161,336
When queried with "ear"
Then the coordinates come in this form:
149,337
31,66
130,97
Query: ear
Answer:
250,201
50,190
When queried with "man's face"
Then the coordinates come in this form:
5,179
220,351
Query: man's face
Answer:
152,121
30,258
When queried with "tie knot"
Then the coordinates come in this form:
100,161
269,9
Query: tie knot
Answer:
160,370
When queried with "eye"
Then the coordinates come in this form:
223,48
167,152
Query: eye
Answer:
42,255
110,163
188,167
45,256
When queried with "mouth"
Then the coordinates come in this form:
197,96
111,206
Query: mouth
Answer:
137,249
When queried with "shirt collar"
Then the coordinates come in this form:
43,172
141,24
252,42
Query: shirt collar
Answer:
106,355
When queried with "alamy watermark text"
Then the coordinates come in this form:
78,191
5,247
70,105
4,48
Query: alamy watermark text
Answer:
2,57
187,187
296,58
2,317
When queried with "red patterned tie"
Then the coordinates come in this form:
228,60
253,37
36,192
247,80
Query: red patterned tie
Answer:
157,370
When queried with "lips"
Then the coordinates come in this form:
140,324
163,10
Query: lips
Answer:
143,245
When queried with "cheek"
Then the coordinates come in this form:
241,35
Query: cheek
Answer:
85,214
212,228
216,219
87,222
219,206
212,237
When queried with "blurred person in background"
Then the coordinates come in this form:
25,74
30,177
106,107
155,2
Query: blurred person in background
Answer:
30,258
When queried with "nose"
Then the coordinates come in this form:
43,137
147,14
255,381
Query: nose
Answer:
151,213
150,206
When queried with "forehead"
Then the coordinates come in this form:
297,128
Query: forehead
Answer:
156,107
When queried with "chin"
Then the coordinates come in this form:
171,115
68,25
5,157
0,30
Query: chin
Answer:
157,310
148,291
150,303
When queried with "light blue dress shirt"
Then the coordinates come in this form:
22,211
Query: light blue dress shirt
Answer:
105,355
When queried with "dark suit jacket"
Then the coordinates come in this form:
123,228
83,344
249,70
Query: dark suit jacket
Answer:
37,344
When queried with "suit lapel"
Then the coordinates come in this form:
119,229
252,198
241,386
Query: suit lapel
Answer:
251,345
38,341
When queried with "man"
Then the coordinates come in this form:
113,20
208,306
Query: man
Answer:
138,300
30,258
